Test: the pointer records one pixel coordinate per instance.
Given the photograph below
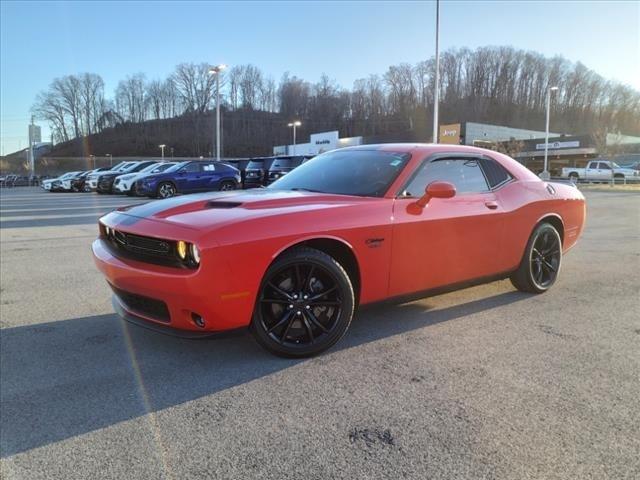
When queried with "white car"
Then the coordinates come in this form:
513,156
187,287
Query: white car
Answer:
92,179
124,183
599,170
62,183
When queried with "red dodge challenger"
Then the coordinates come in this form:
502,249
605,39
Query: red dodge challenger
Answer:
350,227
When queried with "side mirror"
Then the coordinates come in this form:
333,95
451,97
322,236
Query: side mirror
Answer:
436,190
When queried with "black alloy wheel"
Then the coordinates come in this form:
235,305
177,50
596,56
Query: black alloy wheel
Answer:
166,190
305,304
541,262
227,185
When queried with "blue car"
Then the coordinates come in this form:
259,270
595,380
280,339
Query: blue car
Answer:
189,177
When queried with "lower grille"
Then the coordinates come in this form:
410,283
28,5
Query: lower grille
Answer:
149,307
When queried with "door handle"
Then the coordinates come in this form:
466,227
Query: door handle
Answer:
491,205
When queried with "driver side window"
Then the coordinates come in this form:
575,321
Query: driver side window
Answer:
464,173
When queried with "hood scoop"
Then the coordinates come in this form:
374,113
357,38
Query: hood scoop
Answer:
215,204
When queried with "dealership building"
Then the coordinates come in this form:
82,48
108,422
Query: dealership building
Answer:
563,149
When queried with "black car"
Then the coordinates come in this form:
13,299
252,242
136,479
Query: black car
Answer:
283,165
105,182
78,183
257,172
241,165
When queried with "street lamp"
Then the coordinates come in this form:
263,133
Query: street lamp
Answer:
545,175
110,159
436,99
295,125
162,147
217,70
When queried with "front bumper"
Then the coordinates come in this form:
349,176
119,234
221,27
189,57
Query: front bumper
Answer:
185,293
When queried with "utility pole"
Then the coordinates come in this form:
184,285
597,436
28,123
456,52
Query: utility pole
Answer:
295,124
545,175
436,96
32,163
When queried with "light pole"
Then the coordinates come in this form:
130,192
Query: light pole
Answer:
295,125
217,70
545,175
436,99
92,160
162,147
110,159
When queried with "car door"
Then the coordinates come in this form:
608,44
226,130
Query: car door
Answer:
188,178
450,240
210,176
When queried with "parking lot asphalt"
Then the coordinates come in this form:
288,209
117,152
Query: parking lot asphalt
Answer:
485,382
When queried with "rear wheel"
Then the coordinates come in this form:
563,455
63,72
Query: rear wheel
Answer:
227,185
305,304
166,190
541,261
573,176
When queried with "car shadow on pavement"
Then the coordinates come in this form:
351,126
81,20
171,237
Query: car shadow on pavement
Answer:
71,377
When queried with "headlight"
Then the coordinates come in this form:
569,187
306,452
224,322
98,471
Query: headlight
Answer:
195,253
181,247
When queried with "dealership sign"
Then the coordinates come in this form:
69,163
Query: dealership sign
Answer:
574,144
450,134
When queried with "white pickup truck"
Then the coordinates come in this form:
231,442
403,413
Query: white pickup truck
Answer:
599,170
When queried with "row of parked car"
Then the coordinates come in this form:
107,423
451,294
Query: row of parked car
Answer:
165,179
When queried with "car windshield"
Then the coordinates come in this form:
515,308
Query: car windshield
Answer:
367,173
255,164
148,168
175,167
282,163
160,167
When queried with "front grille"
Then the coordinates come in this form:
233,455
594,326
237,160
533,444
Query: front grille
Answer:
144,249
149,307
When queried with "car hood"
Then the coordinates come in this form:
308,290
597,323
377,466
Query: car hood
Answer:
210,211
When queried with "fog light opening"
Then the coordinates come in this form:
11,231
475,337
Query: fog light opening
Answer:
197,319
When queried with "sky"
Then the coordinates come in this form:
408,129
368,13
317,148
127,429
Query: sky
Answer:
40,41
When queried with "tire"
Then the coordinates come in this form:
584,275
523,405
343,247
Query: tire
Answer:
541,262
166,190
304,306
227,185
573,176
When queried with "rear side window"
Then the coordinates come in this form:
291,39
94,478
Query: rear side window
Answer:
464,173
191,168
496,174
209,167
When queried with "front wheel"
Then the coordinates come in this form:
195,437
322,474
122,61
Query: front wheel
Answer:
166,190
305,304
541,261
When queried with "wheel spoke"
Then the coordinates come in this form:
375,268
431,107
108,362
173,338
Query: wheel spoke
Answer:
548,265
280,291
298,276
308,327
307,281
274,300
309,314
320,295
282,321
327,303
286,330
